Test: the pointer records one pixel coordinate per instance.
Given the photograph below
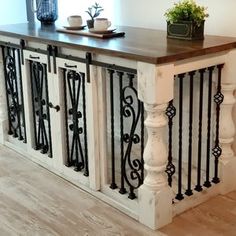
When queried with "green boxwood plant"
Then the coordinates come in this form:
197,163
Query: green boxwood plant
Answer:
186,10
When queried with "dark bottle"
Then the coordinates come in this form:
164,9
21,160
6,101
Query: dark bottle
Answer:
47,11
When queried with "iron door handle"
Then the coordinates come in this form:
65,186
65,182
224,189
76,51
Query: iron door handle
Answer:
34,57
70,66
57,108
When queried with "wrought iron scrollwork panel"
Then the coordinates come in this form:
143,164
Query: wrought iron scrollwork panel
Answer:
14,93
76,121
41,115
130,122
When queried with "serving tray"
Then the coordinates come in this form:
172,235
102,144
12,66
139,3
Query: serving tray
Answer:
90,34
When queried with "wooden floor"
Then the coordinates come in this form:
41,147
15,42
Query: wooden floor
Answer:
36,202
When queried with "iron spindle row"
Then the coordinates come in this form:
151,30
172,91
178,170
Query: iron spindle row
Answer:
76,120
202,105
40,101
131,133
14,93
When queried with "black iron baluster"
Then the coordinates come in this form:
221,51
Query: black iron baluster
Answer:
142,141
50,154
122,187
170,168
7,90
22,98
218,99
198,187
208,148
68,161
113,178
86,170
40,80
36,145
12,87
179,195
189,191
16,95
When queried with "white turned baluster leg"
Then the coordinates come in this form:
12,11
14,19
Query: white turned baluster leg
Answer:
227,164
155,87
3,106
227,161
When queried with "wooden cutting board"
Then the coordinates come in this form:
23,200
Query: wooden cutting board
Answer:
89,34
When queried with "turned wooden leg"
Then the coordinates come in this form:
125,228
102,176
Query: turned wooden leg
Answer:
155,87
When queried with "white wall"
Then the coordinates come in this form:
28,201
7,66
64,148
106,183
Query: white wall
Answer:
75,7
150,14
12,11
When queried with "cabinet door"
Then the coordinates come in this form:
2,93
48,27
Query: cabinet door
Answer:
80,154
13,92
36,86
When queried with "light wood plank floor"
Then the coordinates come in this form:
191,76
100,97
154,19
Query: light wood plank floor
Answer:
35,202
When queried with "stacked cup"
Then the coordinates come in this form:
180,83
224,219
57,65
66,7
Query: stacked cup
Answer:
75,21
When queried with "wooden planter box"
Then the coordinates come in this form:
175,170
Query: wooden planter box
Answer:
187,30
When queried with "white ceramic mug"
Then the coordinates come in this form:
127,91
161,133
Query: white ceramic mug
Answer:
74,21
101,24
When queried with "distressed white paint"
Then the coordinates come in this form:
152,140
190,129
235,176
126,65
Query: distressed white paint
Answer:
155,196
155,88
155,83
227,163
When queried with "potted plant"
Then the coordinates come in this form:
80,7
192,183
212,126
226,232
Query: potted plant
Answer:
185,20
93,11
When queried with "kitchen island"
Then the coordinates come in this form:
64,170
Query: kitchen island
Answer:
141,121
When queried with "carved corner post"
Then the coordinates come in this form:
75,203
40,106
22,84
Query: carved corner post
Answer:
155,89
227,161
3,106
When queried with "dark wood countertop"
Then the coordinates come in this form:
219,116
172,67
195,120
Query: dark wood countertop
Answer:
139,44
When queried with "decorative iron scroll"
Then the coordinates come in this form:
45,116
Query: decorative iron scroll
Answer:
14,93
41,115
76,122
131,118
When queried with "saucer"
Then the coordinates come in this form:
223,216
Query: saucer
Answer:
107,31
75,27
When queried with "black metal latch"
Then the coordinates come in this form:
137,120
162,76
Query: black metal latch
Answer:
22,47
88,63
